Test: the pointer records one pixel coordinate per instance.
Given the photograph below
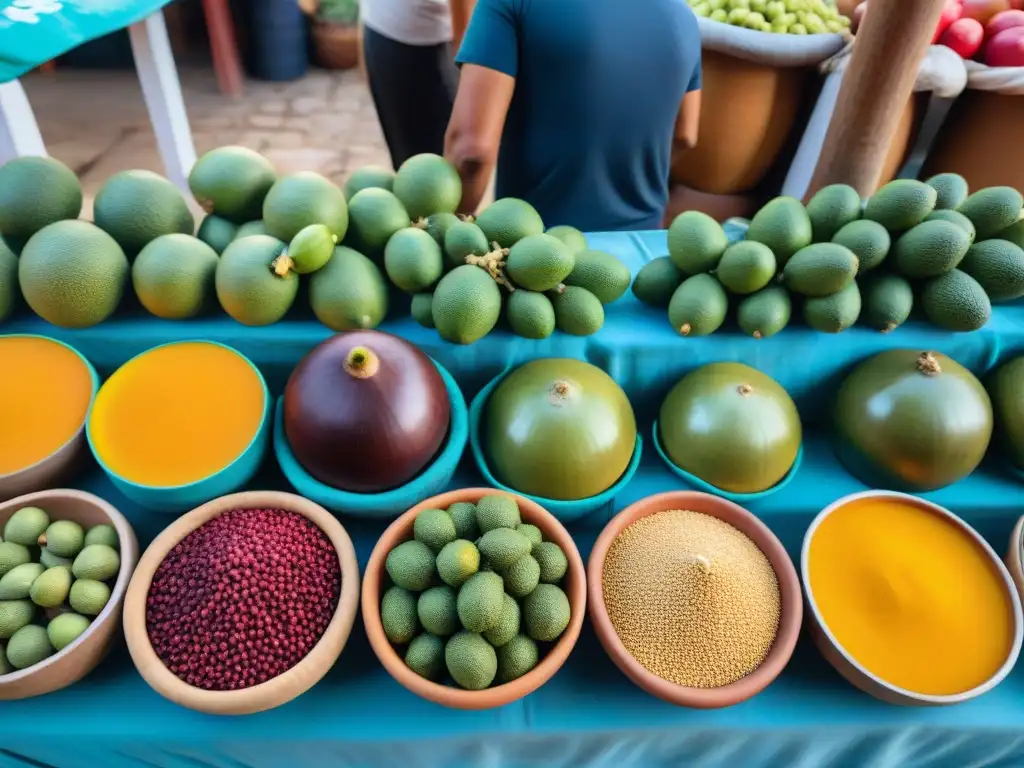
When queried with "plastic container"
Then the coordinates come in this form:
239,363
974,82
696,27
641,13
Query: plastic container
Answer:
278,37
61,463
178,498
701,485
433,480
562,509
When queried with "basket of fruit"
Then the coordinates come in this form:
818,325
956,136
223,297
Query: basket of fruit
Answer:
66,558
335,34
759,59
474,598
980,137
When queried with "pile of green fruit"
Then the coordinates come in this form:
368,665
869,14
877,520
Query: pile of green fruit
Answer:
54,578
464,272
262,233
475,591
925,244
788,17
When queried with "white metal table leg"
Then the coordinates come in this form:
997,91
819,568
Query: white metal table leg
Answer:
162,92
19,133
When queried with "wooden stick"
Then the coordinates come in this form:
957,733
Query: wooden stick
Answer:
891,42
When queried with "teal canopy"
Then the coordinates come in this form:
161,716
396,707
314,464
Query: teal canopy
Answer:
34,31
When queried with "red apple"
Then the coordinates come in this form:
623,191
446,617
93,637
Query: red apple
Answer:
950,13
964,36
1006,49
1004,20
983,10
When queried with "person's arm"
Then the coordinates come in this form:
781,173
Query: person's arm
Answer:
461,11
490,60
688,120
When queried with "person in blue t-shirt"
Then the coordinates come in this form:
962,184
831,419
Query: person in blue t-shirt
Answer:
580,102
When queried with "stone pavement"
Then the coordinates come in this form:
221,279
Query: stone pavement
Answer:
96,122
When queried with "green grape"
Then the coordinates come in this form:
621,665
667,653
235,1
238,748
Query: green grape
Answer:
766,27
780,29
721,15
702,9
718,5
833,26
775,10
758,6
739,5
798,29
789,19
738,15
755,20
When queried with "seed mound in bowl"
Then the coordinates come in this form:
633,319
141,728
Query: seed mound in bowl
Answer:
476,594
55,578
243,598
692,598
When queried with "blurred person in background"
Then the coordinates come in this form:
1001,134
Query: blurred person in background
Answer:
579,103
412,76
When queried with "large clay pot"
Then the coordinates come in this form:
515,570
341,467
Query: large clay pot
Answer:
980,140
748,112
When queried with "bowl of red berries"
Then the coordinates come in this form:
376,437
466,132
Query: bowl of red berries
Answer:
242,604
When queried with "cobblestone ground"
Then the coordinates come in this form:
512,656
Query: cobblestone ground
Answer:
96,122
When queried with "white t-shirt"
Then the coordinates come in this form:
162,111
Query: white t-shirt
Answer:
413,22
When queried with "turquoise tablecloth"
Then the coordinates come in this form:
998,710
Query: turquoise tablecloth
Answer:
34,31
589,714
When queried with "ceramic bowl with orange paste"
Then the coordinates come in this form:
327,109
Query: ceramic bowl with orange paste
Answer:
908,602
181,424
46,388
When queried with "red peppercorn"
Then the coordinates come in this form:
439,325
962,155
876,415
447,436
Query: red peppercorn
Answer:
243,598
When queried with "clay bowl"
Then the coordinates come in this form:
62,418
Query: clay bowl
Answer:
376,581
758,532
850,668
280,689
63,462
74,662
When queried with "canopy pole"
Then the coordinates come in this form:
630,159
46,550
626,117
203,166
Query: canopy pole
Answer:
893,38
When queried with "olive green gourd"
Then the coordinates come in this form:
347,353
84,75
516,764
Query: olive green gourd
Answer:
731,426
912,420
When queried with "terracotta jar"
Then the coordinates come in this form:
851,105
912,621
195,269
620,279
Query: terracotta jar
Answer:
980,140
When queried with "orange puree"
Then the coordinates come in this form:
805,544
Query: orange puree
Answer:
911,596
45,390
177,414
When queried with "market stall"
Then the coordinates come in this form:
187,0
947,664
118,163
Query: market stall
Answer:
589,711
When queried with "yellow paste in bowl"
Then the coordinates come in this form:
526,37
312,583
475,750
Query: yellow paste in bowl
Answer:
911,596
45,391
177,414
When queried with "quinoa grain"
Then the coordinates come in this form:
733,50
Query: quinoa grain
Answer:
692,599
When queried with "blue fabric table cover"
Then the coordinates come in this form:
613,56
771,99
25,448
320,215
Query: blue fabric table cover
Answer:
34,31
589,713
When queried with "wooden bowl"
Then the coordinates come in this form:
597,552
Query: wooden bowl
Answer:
75,661
63,462
789,589
376,580
280,689
849,667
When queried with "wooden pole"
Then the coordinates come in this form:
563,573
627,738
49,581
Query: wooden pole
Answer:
879,79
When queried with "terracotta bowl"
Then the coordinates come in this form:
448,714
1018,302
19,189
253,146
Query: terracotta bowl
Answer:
376,581
280,689
74,662
789,588
850,668
60,464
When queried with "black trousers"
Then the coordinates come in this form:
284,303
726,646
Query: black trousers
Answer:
413,87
